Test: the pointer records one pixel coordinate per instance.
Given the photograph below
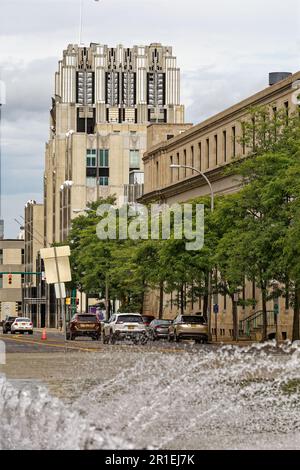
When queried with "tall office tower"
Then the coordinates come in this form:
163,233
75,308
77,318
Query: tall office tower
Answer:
104,100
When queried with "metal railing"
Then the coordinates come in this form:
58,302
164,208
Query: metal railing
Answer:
255,322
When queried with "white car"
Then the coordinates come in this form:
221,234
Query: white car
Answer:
22,325
125,326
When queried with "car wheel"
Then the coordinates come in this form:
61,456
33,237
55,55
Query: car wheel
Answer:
112,338
177,339
72,337
67,336
4,332
105,339
30,332
12,332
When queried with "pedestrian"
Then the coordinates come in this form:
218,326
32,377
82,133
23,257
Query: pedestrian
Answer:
60,324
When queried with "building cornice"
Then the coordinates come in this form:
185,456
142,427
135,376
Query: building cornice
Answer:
214,175
236,111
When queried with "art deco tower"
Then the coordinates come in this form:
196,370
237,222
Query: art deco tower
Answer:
104,100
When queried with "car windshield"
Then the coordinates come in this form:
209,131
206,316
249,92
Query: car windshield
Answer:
190,319
145,318
164,322
11,318
23,319
130,319
87,318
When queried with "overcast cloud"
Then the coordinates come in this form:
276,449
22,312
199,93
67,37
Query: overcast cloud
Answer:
225,49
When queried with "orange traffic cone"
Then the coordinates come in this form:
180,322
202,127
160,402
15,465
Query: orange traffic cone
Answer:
44,335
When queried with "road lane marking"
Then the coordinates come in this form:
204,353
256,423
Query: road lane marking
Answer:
78,348
54,345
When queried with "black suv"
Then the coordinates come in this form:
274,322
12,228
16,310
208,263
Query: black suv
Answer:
7,324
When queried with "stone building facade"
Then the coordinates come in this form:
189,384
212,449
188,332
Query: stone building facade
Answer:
209,147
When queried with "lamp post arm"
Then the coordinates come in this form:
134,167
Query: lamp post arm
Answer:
207,181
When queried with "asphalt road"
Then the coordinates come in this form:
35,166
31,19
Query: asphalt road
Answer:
55,342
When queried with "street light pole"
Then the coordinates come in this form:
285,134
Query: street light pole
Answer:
212,207
212,195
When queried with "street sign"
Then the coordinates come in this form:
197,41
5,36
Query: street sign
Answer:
57,264
60,290
216,308
68,301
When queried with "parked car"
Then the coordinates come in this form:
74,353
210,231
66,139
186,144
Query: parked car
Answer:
159,329
6,325
189,327
22,325
84,324
147,319
124,326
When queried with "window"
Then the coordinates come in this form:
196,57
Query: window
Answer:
200,155
170,136
184,162
1,256
91,181
216,149
287,297
22,256
254,294
224,146
178,171
207,153
1,280
103,181
171,170
286,105
91,160
253,133
103,158
134,159
234,141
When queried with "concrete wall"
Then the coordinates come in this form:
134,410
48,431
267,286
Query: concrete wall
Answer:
10,294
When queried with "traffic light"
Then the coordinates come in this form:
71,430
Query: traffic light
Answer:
10,279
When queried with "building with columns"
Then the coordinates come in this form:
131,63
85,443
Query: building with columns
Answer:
210,147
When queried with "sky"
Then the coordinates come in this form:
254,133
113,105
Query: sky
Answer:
225,49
